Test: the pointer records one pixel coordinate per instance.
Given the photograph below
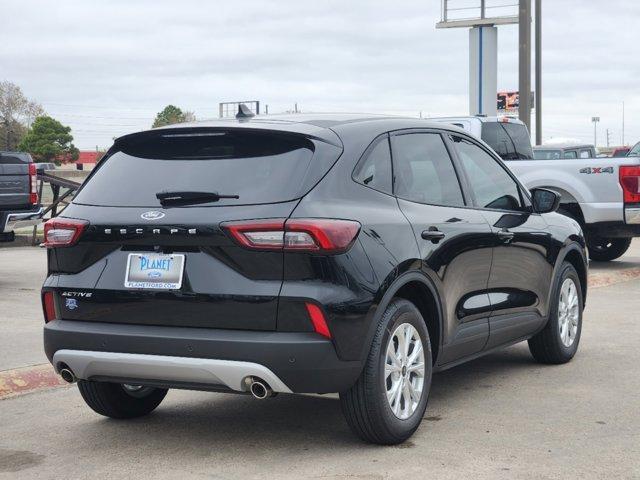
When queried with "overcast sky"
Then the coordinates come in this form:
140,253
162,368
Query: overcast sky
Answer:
106,68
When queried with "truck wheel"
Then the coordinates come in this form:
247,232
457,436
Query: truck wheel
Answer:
387,403
558,341
7,237
606,249
121,401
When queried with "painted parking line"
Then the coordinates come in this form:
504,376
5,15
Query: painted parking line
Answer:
28,379
604,279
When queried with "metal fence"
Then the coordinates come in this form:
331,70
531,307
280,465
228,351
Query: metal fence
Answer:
62,190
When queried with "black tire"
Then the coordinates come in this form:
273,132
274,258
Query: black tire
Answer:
607,249
115,401
365,405
7,237
547,345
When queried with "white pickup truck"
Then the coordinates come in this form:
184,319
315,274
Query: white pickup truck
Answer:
602,194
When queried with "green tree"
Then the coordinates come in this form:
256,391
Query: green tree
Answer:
48,140
172,114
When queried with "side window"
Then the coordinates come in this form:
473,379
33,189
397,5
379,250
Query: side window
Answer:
490,183
496,137
521,140
509,140
570,154
585,153
375,169
423,170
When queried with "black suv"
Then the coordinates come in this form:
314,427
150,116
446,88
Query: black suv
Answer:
304,254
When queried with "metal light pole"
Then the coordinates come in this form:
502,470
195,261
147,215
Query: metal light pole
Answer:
538,72
524,62
623,144
595,121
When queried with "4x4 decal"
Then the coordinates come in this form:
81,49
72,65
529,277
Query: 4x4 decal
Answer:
590,170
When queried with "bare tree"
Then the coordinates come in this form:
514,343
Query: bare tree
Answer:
188,116
16,115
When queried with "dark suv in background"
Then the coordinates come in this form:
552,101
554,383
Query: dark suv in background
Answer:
304,254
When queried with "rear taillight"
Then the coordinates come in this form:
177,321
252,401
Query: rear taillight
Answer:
48,305
320,235
63,232
33,187
630,182
318,320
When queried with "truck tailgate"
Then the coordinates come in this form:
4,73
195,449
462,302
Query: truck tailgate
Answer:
14,185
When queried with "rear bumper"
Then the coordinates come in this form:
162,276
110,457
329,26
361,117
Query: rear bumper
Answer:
132,367
632,215
197,357
20,219
613,230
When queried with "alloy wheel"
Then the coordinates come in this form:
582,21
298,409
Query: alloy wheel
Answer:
568,312
404,371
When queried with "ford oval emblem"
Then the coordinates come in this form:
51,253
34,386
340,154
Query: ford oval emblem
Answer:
152,215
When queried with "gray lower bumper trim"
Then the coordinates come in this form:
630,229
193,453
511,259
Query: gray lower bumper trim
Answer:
22,219
230,373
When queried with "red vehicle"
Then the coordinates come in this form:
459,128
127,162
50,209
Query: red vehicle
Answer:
620,152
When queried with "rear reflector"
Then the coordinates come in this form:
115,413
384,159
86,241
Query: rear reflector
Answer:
321,235
33,179
318,320
48,306
63,232
630,182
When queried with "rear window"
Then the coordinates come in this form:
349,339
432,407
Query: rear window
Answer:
635,151
14,158
547,154
509,140
259,167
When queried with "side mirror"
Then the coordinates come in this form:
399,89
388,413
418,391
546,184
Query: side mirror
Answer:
545,201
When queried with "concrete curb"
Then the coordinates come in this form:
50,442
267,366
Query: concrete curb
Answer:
604,279
28,379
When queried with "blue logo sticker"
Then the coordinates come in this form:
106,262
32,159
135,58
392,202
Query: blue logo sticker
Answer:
71,303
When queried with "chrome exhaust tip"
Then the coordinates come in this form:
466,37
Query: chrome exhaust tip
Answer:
68,376
259,388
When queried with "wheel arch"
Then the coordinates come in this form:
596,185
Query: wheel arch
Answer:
573,254
574,211
419,289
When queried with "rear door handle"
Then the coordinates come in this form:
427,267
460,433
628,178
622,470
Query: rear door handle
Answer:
433,234
505,235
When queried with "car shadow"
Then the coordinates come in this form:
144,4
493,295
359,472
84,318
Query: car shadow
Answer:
239,425
481,374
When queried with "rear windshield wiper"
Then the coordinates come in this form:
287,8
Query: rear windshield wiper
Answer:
190,198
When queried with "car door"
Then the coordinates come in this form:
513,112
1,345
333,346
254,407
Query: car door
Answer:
521,272
454,241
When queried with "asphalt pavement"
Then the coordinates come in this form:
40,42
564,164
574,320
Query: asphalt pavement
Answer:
502,416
